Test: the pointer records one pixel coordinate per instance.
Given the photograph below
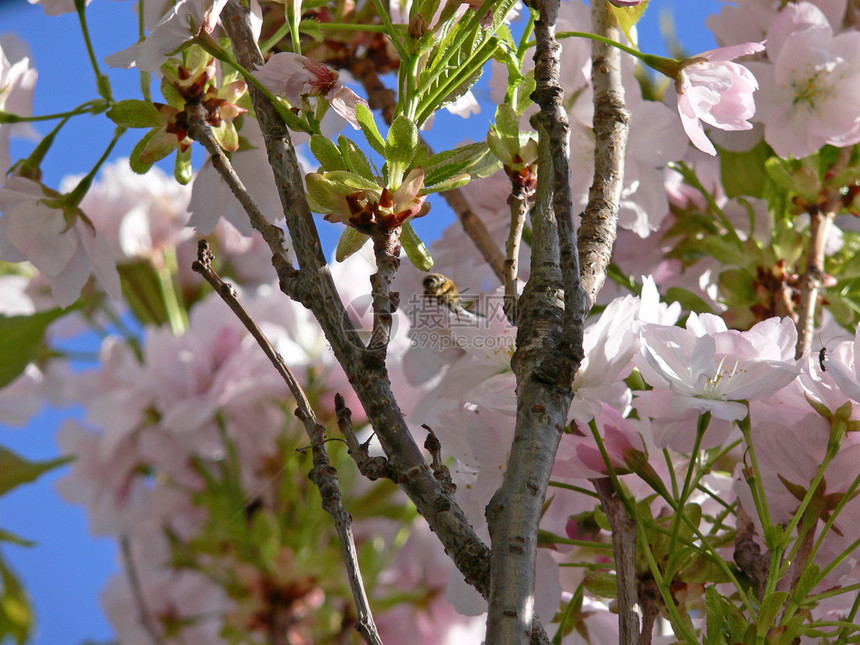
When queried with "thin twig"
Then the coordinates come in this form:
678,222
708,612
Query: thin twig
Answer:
323,474
200,131
440,470
146,618
624,551
611,125
518,203
821,219
386,249
371,467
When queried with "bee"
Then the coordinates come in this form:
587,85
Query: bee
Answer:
446,293
822,358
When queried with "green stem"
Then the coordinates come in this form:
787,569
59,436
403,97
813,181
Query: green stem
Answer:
577,489
74,198
441,64
701,427
689,175
616,483
102,81
389,26
679,626
843,633
293,9
666,66
9,117
847,497
210,45
348,26
145,77
524,45
431,102
176,314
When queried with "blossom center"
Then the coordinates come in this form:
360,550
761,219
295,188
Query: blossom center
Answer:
719,386
813,88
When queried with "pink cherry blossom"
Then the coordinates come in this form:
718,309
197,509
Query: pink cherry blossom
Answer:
810,90
843,368
709,368
183,22
67,254
57,7
17,83
716,91
294,76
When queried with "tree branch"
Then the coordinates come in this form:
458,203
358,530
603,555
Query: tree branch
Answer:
369,378
624,551
611,125
822,216
323,474
386,250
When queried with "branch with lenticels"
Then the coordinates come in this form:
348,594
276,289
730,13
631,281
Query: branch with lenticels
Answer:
368,375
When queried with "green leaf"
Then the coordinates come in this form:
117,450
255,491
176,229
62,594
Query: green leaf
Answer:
182,170
368,126
507,121
628,17
355,159
807,582
738,286
744,173
714,609
402,142
140,163
12,538
133,113
143,292
770,607
449,184
20,341
15,470
689,300
474,158
415,249
350,241
326,152
16,614
312,28
602,583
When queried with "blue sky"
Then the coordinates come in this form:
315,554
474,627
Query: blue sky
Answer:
68,568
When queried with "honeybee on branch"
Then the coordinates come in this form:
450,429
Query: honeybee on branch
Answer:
446,293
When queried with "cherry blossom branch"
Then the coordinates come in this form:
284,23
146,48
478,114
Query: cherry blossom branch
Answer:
624,551
611,125
381,98
323,474
550,314
552,119
386,250
822,216
146,619
371,467
274,237
370,380
518,203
